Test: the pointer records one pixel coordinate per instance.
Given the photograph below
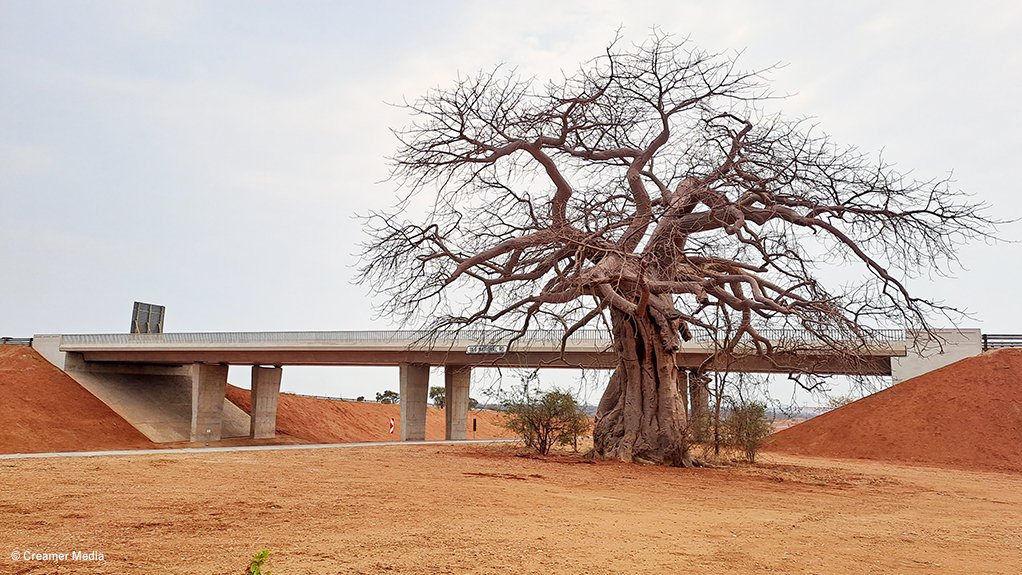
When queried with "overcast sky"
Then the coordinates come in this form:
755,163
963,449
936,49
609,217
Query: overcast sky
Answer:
210,156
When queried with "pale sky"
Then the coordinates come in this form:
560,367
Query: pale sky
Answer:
210,156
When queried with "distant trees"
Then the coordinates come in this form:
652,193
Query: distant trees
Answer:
839,401
436,395
388,396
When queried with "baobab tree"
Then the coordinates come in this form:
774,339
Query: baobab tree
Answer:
645,193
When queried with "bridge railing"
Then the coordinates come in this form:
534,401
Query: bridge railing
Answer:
15,341
325,337
418,337
806,336
1001,341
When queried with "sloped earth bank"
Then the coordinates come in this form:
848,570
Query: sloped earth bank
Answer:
42,409
335,421
966,415
469,509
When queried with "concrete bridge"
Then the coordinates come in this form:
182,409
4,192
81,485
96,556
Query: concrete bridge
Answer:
156,380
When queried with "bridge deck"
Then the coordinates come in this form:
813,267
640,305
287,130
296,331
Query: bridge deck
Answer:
585,349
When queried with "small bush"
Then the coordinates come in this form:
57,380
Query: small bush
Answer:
747,426
543,420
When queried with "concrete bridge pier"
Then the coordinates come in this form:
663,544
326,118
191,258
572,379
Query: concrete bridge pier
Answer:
699,398
457,381
265,393
414,391
209,387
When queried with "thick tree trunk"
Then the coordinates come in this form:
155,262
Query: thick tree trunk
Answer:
642,415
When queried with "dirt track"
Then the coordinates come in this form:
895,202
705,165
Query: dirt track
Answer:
471,509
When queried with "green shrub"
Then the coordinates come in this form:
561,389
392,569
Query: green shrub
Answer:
256,566
543,420
747,426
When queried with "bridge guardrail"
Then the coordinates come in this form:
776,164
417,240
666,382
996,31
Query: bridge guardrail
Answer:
414,337
800,335
1001,341
15,341
587,336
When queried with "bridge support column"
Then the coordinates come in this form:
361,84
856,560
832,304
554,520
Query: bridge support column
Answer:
209,386
265,393
699,397
457,381
414,390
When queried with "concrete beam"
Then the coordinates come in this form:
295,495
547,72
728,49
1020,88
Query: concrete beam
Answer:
456,389
414,391
265,393
822,363
209,387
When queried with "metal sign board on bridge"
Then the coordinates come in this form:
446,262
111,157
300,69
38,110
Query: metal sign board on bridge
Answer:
147,318
486,349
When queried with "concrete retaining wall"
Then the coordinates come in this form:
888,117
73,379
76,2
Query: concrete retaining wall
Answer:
926,354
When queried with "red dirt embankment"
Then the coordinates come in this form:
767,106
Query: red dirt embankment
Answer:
336,421
967,414
42,409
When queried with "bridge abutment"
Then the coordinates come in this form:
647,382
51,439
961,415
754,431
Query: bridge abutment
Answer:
414,391
209,387
457,380
265,393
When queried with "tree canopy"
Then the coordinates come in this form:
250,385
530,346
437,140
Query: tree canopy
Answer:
648,193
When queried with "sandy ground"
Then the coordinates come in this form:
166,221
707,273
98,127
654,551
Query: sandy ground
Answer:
481,509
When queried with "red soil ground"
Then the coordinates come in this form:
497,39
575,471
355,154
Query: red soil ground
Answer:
45,410
967,414
471,509
335,421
